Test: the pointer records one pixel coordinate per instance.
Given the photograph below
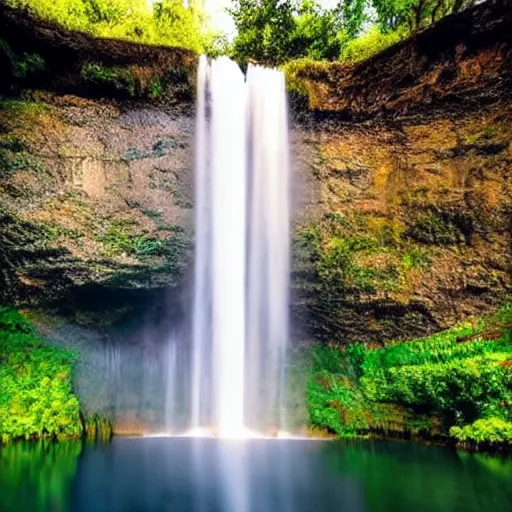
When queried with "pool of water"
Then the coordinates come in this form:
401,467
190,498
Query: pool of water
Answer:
210,475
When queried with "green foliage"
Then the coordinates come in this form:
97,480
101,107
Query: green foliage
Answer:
416,14
13,158
35,378
177,25
341,249
318,33
167,22
26,108
113,80
122,238
263,30
11,143
370,43
275,31
486,431
460,378
339,267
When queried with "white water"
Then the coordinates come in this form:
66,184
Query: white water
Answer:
240,325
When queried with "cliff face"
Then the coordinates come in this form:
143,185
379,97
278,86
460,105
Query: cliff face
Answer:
95,167
403,179
92,194
407,160
410,230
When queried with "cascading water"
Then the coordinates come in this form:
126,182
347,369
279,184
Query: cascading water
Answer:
240,325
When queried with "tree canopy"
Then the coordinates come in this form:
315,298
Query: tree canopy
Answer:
268,31
168,22
274,31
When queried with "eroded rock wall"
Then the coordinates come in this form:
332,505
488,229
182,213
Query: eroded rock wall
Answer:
411,226
92,193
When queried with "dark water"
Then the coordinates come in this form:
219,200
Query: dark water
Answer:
158,474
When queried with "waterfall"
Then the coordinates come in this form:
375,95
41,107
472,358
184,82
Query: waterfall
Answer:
240,314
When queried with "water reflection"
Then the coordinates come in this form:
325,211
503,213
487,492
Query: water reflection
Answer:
37,477
209,475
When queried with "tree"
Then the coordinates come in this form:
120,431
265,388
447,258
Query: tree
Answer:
264,29
274,31
416,14
169,22
178,25
318,32
354,14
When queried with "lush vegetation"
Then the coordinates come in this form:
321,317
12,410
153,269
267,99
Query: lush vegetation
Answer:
169,22
268,31
455,383
36,398
276,31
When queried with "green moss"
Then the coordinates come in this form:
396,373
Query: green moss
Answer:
20,107
433,227
342,249
122,237
456,383
155,89
485,135
415,258
11,143
293,71
35,378
129,81
13,160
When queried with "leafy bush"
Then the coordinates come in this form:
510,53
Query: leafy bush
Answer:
370,43
489,430
35,379
460,378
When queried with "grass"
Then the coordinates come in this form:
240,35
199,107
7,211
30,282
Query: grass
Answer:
455,384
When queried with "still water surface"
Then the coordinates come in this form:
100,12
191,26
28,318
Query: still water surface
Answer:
208,475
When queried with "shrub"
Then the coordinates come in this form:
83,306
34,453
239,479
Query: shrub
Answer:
35,379
489,430
460,378
369,44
